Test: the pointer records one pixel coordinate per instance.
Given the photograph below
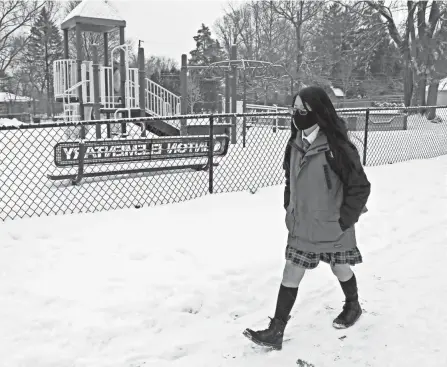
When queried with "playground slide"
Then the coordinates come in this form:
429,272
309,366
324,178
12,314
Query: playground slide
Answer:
158,127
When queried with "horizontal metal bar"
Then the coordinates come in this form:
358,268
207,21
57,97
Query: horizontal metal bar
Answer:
196,117
196,167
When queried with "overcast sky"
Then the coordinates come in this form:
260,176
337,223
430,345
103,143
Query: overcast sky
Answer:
167,27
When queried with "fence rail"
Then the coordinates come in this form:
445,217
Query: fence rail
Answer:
45,169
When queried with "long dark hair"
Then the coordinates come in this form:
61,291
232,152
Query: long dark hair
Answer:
332,125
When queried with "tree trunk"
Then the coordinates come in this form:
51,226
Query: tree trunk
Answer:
422,85
408,81
47,83
432,99
299,55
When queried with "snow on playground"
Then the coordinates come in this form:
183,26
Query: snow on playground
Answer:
10,122
176,285
27,156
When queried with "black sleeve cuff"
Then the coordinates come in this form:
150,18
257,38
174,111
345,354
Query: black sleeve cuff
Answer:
342,226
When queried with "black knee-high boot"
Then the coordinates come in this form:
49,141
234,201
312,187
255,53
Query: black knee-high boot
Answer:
351,309
285,302
273,335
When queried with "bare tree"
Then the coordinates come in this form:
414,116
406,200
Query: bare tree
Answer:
194,91
257,31
298,14
273,35
227,31
260,34
158,64
428,48
415,42
241,21
344,44
16,16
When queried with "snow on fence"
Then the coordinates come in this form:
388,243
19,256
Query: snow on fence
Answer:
27,158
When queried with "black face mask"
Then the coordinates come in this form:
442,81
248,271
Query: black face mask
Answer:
306,121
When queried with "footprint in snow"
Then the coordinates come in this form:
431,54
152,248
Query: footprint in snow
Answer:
179,351
15,236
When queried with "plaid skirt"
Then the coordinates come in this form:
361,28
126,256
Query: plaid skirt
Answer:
310,260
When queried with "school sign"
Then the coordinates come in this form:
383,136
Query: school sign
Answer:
66,154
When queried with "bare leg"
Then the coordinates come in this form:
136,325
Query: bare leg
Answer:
292,275
342,271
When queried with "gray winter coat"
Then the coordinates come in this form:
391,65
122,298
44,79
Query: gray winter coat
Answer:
322,207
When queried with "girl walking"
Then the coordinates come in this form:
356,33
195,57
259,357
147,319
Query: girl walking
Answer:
326,192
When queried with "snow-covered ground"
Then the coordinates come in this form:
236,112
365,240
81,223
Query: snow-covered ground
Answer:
176,285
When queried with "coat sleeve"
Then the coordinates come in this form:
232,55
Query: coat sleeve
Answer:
356,190
286,166
287,190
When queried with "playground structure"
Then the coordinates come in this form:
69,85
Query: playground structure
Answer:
114,90
229,70
89,90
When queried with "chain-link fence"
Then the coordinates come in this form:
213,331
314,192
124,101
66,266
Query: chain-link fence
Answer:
48,169
391,135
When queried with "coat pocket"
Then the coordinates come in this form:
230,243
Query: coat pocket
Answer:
325,227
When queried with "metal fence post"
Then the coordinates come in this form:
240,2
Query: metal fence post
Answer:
96,92
406,120
234,93
184,94
365,144
244,111
142,88
80,174
244,130
275,127
210,157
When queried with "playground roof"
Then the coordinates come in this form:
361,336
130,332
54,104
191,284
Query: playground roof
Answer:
93,16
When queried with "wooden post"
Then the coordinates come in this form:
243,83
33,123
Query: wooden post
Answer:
227,95
106,81
123,76
365,139
106,49
234,93
184,94
219,107
142,87
96,101
79,57
66,54
244,107
123,67
66,70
